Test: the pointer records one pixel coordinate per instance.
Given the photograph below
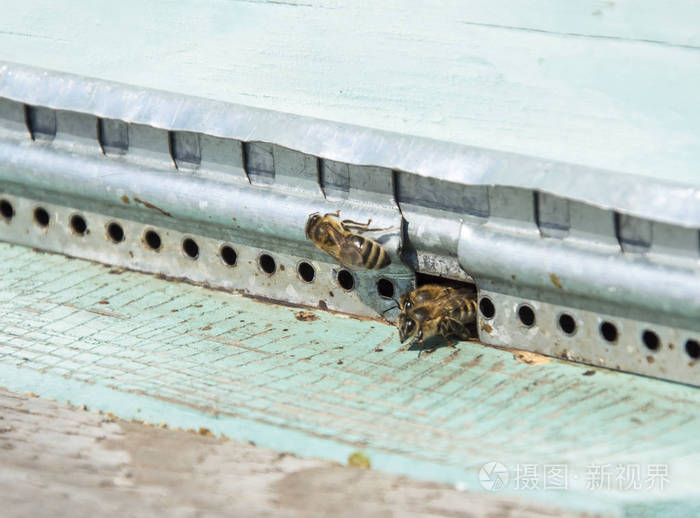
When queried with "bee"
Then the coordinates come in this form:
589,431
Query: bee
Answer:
423,294
436,311
336,237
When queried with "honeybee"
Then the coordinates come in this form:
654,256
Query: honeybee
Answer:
336,237
436,311
423,294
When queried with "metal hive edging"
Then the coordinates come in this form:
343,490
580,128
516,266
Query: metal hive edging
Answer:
520,246
625,192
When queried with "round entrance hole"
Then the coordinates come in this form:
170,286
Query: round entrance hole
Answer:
306,272
41,217
567,324
267,264
78,224
152,240
346,280
228,255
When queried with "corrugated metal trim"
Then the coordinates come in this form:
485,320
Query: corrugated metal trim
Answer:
625,193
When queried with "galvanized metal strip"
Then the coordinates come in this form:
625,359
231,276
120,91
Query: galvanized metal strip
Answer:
641,196
257,194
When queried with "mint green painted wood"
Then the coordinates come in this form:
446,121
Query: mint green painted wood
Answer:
146,348
609,84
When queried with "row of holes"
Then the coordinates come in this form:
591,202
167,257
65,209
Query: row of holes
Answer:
228,255
307,273
567,325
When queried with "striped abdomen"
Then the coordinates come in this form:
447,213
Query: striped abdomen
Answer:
465,311
373,254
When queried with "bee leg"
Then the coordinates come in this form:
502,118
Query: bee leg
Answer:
360,227
357,223
419,342
336,214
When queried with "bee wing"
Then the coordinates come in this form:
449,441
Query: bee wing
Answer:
351,252
341,247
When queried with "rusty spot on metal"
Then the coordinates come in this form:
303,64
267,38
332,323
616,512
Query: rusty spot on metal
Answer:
206,432
305,316
339,362
378,350
555,280
650,359
485,326
671,346
322,304
588,373
281,267
125,198
151,206
103,302
206,328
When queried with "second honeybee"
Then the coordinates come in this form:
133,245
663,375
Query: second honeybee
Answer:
434,310
341,239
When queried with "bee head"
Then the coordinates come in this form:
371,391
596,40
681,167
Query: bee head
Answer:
407,327
311,223
405,301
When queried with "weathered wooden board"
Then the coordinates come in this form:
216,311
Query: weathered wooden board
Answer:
325,385
609,84
61,461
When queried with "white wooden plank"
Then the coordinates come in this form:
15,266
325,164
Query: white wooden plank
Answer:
604,84
61,461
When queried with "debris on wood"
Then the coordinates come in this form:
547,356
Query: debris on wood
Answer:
359,460
305,316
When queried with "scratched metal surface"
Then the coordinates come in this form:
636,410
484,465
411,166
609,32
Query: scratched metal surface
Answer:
328,385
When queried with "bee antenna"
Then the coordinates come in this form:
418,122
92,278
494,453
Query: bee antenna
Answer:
389,309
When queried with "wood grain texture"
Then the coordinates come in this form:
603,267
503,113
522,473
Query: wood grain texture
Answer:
145,348
609,84
60,461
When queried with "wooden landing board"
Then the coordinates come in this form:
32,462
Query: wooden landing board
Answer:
609,84
325,385
120,468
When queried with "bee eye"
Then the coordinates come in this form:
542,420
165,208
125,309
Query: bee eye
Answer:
408,304
410,325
